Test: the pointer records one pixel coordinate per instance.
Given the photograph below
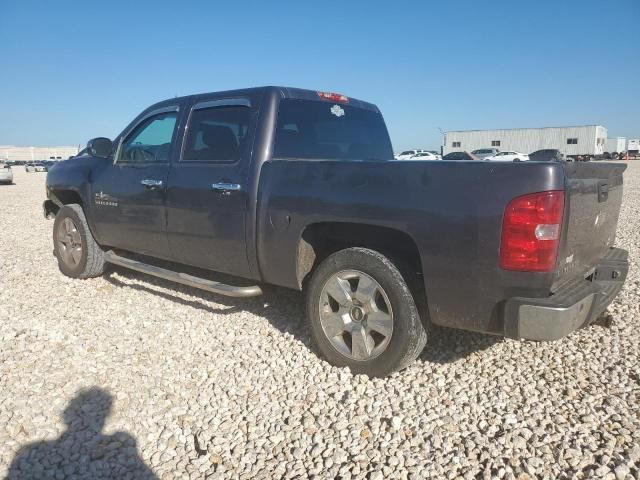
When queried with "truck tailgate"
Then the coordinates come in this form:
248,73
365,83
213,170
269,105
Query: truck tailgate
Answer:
592,206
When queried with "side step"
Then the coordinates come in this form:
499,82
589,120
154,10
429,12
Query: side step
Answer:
183,278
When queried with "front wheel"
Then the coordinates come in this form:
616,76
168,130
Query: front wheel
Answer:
78,254
362,313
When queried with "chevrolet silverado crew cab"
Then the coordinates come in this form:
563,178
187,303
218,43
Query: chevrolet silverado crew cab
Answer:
299,189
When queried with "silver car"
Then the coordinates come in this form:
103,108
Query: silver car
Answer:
6,174
483,153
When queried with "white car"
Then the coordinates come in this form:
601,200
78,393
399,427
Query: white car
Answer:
425,156
407,154
35,167
6,174
508,157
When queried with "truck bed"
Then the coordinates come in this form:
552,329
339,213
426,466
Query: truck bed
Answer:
452,211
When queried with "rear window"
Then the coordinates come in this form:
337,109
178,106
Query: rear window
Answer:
324,130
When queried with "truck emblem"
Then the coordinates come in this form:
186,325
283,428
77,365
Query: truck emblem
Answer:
105,200
337,110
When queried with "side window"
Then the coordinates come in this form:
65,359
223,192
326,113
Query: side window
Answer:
216,134
456,144
150,141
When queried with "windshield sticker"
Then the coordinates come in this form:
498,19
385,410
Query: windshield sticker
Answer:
337,110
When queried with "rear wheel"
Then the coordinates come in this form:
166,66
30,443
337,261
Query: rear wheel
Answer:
362,314
78,254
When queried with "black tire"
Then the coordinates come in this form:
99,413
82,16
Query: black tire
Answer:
516,159
408,336
91,259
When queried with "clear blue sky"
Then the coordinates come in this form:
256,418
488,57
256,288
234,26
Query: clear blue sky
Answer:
74,70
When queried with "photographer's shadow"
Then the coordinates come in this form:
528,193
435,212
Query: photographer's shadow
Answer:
83,451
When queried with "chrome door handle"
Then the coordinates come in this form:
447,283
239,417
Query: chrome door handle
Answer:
151,184
224,187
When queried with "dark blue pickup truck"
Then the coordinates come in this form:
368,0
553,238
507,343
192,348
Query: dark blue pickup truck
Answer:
299,188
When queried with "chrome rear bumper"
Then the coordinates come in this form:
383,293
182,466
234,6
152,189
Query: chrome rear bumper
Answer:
576,304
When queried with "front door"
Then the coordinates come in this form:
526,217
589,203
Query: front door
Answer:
207,191
129,195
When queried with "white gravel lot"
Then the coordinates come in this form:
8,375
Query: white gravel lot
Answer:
193,385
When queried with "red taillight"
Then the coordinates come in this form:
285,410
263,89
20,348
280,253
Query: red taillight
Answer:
531,232
334,97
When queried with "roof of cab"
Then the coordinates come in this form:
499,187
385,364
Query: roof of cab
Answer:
282,92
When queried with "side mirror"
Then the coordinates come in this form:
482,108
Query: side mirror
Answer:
100,147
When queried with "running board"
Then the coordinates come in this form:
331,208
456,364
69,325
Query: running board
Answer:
183,278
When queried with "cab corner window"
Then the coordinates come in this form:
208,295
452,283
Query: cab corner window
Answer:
216,134
150,141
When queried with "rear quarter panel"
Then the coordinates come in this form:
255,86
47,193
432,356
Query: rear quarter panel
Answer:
452,210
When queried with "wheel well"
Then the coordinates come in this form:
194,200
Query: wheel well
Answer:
61,197
68,196
320,240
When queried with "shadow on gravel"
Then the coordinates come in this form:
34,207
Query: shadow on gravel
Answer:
448,345
284,309
82,451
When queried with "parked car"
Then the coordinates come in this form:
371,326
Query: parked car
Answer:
295,188
407,154
483,153
460,156
35,167
510,156
6,174
425,156
547,155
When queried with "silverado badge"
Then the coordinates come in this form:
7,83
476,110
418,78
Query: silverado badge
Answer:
105,200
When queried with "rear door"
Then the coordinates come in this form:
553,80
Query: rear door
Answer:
592,206
207,190
129,195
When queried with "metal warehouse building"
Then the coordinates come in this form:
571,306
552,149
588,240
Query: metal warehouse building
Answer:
12,152
581,140
616,144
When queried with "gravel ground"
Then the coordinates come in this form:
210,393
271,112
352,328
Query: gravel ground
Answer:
127,376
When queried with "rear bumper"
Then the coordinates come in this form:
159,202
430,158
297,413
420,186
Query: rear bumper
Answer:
574,305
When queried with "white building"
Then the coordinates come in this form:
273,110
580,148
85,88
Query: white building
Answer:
12,152
616,144
581,140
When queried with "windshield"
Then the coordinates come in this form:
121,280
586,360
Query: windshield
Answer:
323,130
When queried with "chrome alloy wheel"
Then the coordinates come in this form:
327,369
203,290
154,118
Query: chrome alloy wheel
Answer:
356,315
69,242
